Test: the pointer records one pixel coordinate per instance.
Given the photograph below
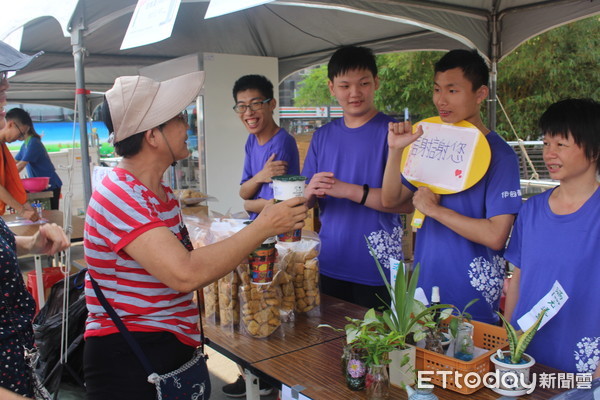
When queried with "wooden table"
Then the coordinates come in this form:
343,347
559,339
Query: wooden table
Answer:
317,369
26,228
47,194
289,337
22,228
299,353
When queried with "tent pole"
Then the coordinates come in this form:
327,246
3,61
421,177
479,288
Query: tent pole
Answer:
492,96
80,93
494,50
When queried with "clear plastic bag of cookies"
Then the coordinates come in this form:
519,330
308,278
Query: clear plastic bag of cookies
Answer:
211,302
299,260
288,299
260,305
229,306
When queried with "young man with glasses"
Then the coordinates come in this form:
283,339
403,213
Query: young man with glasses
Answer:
270,150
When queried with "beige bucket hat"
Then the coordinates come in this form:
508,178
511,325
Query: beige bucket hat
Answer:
139,103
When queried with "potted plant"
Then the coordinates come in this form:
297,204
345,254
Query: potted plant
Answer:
436,337
460,317
369,341
402,316
513,366
377,341
462,332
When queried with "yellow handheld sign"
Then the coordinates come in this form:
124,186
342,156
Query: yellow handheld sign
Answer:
447,158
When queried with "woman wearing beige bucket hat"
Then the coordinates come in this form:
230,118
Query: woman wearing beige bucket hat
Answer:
138,250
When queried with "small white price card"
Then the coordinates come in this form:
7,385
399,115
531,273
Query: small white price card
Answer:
551,302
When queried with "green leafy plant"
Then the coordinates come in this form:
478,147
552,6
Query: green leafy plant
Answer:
375,338
516,343
432,324
372,335
403,314
433,321
460,317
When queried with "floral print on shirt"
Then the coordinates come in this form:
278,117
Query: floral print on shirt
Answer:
487,277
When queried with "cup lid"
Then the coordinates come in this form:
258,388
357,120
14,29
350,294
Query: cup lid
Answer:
289,178
270,240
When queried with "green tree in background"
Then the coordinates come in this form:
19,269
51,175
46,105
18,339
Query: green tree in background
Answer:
313,89
406,80
558,64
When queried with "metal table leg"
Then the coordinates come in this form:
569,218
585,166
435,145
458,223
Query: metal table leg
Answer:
39,280
252,387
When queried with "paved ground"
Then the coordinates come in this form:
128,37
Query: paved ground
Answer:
221,369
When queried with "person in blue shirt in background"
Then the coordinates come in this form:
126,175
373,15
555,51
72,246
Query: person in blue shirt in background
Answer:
270,150
33,155
554,244
460,244
344,166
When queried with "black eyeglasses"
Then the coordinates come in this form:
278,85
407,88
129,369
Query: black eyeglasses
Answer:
182,116
255,106
21,133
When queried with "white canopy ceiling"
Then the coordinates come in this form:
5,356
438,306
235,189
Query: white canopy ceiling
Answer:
299,33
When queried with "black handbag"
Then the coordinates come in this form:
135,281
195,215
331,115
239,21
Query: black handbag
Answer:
191,381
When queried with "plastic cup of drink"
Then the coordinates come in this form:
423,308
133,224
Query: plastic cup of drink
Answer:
286,187
262,261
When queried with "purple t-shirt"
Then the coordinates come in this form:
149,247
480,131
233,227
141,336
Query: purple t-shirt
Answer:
285,148
462,269
354,155
547,248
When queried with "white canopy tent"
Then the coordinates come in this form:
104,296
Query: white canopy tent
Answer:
299,33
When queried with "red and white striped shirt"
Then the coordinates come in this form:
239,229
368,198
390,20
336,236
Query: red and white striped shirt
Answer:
121,209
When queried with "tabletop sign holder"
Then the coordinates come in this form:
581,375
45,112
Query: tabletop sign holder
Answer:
293,393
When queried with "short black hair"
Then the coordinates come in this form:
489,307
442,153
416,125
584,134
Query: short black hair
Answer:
472,64
23,117
127,147
580,118
256,82
351,58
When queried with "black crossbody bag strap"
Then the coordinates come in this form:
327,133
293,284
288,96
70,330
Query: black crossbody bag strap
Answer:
128,336
121,326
